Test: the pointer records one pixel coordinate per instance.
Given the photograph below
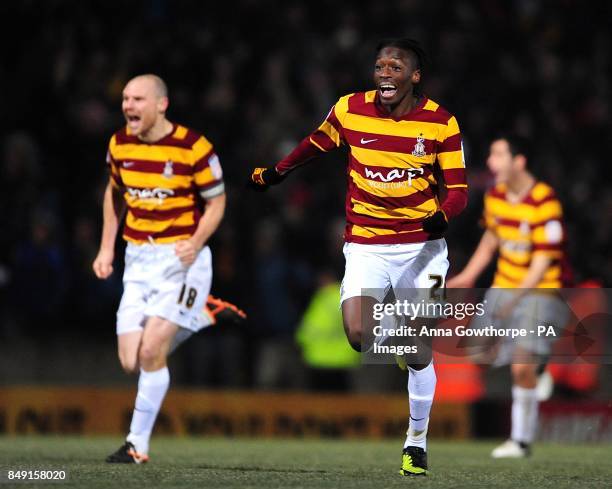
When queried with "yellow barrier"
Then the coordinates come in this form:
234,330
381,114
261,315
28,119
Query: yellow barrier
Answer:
89,411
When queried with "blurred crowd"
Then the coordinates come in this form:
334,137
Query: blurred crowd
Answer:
255,76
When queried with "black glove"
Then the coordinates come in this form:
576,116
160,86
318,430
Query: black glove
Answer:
261,178
436,223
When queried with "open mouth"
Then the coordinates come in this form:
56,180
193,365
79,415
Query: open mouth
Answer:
133,120
387,90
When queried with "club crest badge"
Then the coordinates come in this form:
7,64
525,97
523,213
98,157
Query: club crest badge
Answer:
419,147
524,228
168,171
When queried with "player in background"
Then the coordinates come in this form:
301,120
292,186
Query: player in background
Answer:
161,172
398,140
523,220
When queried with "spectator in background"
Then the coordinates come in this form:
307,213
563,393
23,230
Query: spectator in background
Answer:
321,338
39,282
22,187
277,282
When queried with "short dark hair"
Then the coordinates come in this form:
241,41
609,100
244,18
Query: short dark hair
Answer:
412,47
518,145
415,52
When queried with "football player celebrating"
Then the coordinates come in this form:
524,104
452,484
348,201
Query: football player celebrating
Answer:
402,147
160,171
523,220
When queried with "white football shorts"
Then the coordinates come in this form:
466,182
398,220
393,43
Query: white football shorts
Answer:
156,283
534,309
372,270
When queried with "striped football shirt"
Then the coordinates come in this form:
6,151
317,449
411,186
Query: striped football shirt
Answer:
395,165
164,182
524,229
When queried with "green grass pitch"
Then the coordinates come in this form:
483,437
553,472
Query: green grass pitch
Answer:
244,463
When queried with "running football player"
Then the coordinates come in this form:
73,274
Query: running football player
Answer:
160,172
402,146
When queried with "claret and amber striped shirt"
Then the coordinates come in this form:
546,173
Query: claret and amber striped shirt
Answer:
524,229
392,174
164,182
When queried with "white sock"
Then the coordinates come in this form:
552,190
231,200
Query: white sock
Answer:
152,388
524,414
421,389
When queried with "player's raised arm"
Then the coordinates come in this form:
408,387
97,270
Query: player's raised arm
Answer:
328,136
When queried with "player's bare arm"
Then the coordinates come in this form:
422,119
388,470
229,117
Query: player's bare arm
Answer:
113,209
539,264
478,262
187,250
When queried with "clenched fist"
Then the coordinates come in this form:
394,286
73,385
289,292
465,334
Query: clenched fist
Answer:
103,264
187,251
